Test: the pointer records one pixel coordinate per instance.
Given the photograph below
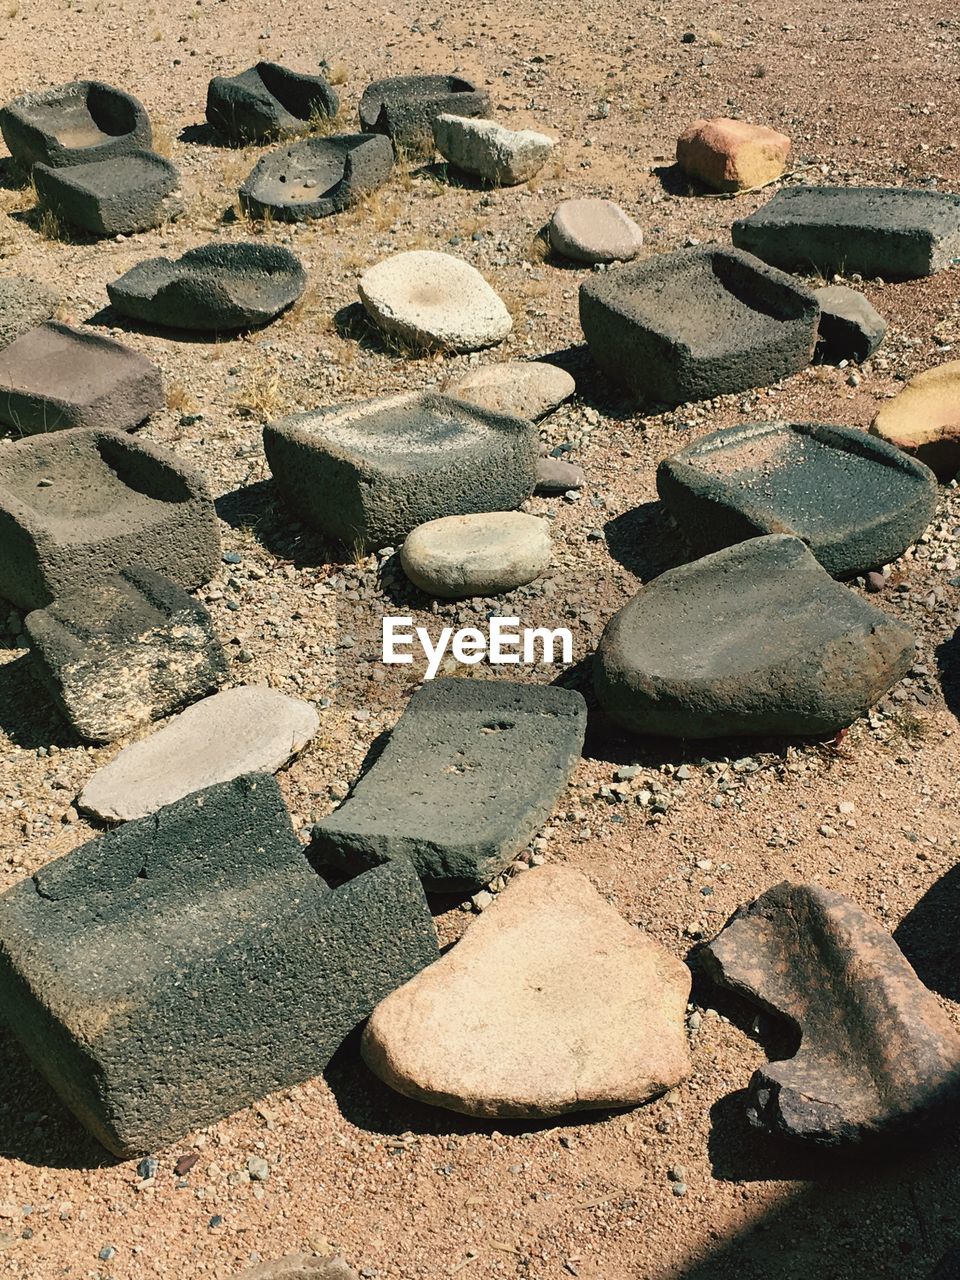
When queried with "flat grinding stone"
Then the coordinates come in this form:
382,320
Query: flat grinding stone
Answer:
368,473
183,966
123,650
249,729
24,304
56,377
405,107
77,123
215,287
316,177
477,555
77,505
591,230
856,501
525,388
267,101
754,639
508,1023
447,791
878,1055
127,193
501,156
696,324
891,232
924,419
850,327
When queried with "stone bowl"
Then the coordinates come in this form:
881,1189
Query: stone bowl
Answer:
267,101
74,123
117,196
316,177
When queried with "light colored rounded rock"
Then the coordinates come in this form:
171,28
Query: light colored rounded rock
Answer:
501,156
477,555
590,230
434,300
556,476
550,1003
924,419
732,155
524,388
250,729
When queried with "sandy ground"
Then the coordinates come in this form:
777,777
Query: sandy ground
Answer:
868,92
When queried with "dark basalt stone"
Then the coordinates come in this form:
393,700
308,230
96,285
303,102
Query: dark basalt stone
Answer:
857,501
697,324
892,232
267,101
24,304
877,1056
130,192
188,963
215,287
405,107
850,328
469,774
77,123
316,177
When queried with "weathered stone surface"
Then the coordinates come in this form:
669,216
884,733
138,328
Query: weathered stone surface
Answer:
891,232
948,1267
877,1053
171,971
301,1266
249,729
131,192
509,1023
77,505
697,323
857,501
214,287
56,377
405,107
754,639
316,177
24,304
850,327
556,476
267,101
75,123
433,300
122,650
477,555
924,419
591,230
732,155
447,791
524,388
368,473
501,156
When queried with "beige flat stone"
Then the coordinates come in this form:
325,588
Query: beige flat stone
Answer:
477,555
924,419
525,388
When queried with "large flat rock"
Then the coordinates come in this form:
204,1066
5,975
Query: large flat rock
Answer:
924,420
316,177
447,791
509,1024
55,377
477,555
130,192
696,324
755,639
182,966
877,1056
368,473
78,505
857,501
249,729
77,123
268,101
890,232
405,107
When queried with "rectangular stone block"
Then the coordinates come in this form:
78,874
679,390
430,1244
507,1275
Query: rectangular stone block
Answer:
175,969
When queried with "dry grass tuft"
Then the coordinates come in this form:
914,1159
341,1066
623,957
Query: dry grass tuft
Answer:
179,399
261,396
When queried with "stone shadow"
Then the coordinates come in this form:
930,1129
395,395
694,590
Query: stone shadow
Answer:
107,318
258,508
948,667
929,936
645,541
28,717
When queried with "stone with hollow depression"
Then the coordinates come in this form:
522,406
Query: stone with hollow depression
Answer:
477,555
76,123
503,157
126,193
316,177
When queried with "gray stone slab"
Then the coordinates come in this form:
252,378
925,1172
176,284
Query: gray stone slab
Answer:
214,287
368,473
123,650
470,773
696,324
180,967
268,101
77,505
857,501
130,192
754,639
24,304
850,327
76,123
56,377
317,176
891,232
405,107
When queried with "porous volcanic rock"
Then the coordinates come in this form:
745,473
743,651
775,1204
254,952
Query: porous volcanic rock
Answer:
24,304
850,327
130,192
732,155
924,419
501,156
477,555
316,177
592,230
76,123
405,107
524,388
267,101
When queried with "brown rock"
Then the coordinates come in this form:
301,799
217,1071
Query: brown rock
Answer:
556,476
877,1053
924,419
732,155
509,1023
301,1266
